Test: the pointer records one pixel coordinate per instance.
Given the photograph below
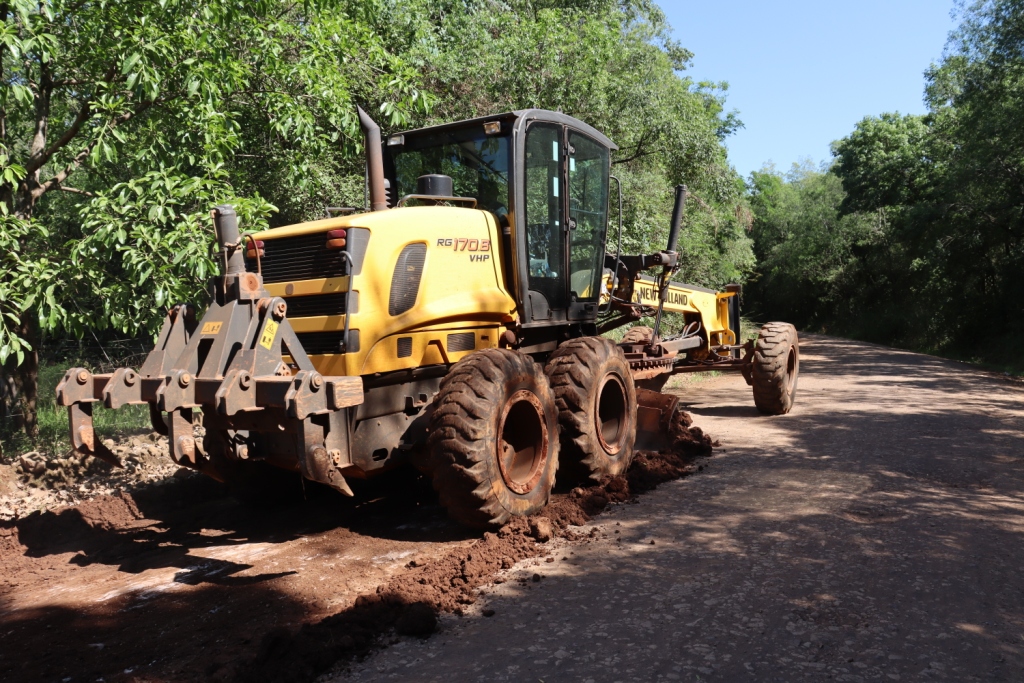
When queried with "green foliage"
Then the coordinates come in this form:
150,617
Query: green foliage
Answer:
885,162
122,124
804,247
157,110
933,206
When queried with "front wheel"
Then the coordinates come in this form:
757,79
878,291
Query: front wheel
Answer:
493,438
775,368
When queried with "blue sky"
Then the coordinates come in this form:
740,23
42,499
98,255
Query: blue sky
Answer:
802,74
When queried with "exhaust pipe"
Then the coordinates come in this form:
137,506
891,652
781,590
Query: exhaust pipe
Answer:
374,162
673,242
225,223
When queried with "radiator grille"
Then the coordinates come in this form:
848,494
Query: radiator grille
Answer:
311,305
320,343
303,257
463,341
405,283
404,347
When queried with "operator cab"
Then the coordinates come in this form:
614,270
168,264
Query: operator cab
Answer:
544,176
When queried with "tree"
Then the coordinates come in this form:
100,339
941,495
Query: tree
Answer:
944,193
613,65
148,111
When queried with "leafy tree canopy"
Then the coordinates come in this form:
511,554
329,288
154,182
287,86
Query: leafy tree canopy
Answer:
122,123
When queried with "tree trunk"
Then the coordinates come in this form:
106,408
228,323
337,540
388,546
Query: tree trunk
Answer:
10,410
28,374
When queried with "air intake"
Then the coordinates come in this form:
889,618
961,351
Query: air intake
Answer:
461,341
405,283
301,257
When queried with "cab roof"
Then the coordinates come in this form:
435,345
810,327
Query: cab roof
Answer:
526,114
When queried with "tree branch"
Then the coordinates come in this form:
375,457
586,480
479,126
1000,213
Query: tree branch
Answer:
73,190
37,160
3,110
59,178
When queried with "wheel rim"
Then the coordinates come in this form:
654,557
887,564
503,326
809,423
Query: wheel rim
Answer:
610,417
522,442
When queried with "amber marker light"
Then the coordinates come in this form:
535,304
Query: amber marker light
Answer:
250,252
336,239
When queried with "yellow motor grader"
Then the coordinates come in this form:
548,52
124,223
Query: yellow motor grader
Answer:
456,324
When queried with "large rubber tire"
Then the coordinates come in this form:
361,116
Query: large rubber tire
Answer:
776,368
638,334
596,403
641,334
493,444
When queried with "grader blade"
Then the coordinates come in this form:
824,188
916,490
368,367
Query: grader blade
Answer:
654,414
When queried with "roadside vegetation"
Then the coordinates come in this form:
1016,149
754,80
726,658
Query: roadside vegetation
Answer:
121,125
914,235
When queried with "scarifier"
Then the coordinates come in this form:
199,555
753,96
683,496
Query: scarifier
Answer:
456,325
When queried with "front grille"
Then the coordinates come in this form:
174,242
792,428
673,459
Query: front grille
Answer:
303,257
312,305
320,343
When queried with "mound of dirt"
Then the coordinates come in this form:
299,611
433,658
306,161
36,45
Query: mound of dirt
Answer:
41,482
410,601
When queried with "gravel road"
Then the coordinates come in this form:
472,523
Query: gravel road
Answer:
872,534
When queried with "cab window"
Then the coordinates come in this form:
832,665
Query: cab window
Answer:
545,243
588,215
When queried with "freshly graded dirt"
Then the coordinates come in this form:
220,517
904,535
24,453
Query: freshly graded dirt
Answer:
177,581
37,482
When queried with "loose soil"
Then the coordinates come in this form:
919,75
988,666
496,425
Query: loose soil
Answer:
38,482
175,581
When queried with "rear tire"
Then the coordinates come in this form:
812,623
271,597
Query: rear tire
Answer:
775,368
493,444
596,402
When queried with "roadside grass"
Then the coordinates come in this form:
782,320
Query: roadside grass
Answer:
54,437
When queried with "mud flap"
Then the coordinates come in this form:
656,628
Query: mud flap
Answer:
654,413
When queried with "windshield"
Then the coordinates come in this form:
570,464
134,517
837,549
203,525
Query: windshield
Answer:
477,163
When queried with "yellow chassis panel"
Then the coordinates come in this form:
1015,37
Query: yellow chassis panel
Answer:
461,288
712,307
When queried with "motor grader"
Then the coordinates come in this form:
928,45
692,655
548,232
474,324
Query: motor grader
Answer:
456,324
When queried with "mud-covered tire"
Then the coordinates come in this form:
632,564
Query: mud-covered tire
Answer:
493,444
641,334
638,334
775,368
596,402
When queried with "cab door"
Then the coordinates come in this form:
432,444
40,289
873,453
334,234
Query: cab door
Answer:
566,215
545,234
587,199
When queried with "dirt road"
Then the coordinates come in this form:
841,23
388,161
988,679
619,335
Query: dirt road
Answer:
873,534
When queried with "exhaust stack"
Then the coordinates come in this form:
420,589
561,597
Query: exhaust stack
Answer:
374,162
